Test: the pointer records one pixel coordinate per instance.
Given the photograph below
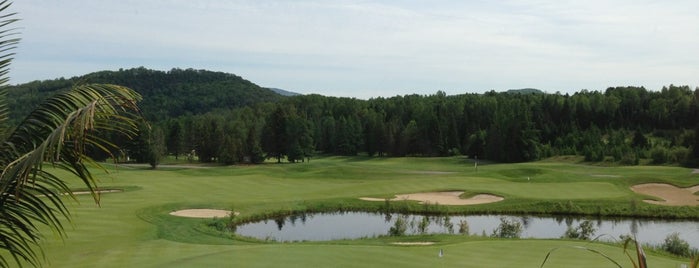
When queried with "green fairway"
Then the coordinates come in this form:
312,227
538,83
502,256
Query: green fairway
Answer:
133,228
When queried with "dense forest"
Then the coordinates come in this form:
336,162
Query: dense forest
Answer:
223,118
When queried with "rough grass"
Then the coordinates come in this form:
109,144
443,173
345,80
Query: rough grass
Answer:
133,228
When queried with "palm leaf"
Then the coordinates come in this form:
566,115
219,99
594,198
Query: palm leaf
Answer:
57,132
580,248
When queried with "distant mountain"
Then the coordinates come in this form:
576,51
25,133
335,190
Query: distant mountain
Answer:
283,92
166,94
525,91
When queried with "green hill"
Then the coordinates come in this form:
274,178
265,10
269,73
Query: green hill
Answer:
525,91
166,94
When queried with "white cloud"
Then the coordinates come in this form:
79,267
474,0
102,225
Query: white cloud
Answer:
365,48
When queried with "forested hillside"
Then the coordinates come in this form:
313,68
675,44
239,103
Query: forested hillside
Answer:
224,118
165,94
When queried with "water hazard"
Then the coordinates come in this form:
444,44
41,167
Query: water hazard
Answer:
353,225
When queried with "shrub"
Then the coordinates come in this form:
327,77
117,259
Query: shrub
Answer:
422,226
463,227
659,155
584,231
448,224
629,159
675,245
508,228
399,227
679,155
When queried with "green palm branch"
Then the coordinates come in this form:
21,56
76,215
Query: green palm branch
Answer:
56,133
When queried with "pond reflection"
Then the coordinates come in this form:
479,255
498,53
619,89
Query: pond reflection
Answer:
353,225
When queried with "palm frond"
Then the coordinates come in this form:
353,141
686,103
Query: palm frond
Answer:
8,41
57,132
548,255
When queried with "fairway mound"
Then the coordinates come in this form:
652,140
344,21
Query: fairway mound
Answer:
672,195
443,198
413,243
202,213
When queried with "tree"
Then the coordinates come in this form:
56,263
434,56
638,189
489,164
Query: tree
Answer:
695,146
175,138
149,145
508,228
58,131
275,134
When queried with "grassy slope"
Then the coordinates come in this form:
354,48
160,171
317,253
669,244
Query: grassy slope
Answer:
132,229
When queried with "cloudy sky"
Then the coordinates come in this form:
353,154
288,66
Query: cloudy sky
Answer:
366,49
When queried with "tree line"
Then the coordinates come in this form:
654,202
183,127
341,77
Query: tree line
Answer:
219,117
622,124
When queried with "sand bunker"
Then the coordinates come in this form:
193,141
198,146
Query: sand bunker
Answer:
673,195
202,213
100,192
443,198
413,243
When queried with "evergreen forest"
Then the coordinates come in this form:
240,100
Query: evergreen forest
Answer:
218,117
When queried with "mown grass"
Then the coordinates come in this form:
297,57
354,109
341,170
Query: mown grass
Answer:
133,228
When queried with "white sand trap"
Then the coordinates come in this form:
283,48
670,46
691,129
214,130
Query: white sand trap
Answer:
202,213
413,243
100,192
673,195
443,198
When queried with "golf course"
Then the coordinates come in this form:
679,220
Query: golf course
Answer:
133,225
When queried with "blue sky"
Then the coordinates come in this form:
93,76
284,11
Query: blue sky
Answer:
368,49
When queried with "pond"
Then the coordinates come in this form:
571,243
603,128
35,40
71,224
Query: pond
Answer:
353,225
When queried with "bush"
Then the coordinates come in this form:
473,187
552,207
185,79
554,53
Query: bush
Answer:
675,245
584,231
508,228
629,159
463,227
593,154
399,227
679,155
422,226
659,155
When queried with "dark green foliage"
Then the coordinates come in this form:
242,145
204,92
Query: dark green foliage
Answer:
287,134
464,227
659,155
175,137
621,124
508,228
149,146
584,231
422,226
165,94
399,227
676,245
